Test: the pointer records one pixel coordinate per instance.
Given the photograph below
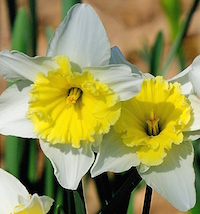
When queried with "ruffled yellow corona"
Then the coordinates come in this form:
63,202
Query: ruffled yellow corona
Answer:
154,119
69,106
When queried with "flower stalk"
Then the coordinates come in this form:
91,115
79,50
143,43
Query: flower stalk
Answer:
147,200
116,205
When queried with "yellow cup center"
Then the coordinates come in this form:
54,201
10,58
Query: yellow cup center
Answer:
152,125
73,95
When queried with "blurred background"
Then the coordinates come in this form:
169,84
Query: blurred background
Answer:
135,27
129,24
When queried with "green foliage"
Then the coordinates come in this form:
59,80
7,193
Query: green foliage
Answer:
59,210
14,149
131,205
156,54
32,165
172,10
79,204
49,182
21,33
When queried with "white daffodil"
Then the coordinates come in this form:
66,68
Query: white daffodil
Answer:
190,78
15,199
194,74
153,134
190,81
69,98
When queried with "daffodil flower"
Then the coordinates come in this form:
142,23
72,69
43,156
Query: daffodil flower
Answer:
194,74
153,134
15,199
190,80
69,98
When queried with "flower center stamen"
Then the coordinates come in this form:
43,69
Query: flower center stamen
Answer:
73,95
152,124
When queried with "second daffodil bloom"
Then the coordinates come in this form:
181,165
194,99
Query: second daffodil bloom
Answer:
15,199
153,134
193,73
69,98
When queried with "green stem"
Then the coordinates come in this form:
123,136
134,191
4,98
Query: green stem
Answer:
59,209
116,205
12,11
32,168
103,188
79,199
147,200
181,59
32,5
49,179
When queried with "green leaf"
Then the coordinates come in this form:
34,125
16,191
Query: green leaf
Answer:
172,10
21,34
131,204
119,203
59,197
33,25
49,179
79,205
14,148
156,54
59,209
196,208
32,168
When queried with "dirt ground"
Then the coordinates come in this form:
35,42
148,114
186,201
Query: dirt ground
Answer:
128,24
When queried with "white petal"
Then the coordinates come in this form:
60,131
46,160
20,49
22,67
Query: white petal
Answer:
174,179
82,37
194,123
69,164
183,79
118,58
15,65
13,107
119,78
37,204
148,75
191,135
46,203
114,155
11,190
192,130
194,75
97,140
